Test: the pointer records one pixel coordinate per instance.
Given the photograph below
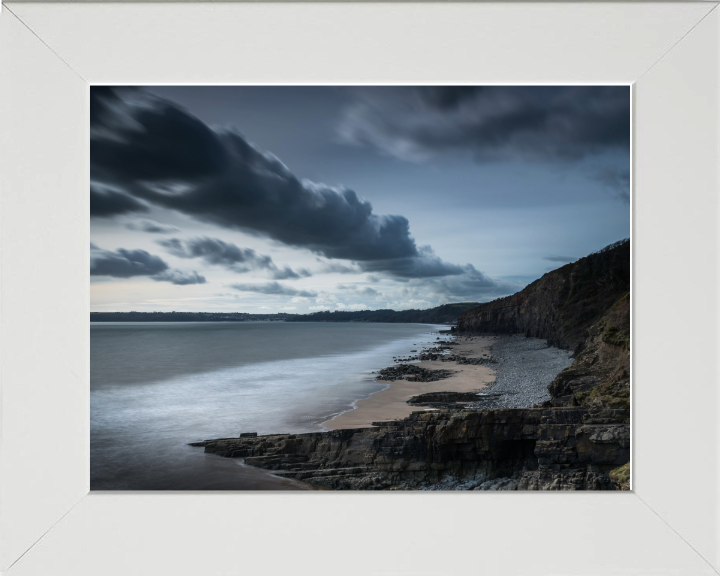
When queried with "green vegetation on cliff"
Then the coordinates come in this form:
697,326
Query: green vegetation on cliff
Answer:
621,476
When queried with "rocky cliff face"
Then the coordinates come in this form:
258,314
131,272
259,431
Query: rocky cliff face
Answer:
560,306
600,375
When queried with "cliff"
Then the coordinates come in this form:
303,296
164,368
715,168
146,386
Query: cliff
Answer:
560,306
600,374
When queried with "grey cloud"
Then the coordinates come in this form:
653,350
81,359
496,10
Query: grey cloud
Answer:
286,272
616,180
124,263
214,251
151,226
157,152
447,97
226,254
492,123
274,288
472,285
423,265
180,277
106,203
147,140
335,268
362,291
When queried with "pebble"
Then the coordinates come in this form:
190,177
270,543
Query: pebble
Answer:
523,370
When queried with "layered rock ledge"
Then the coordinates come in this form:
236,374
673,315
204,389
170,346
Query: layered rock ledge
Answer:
536,449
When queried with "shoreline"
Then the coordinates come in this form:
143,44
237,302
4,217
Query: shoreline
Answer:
483,421
391,402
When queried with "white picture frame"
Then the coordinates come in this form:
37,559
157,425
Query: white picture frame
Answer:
668,524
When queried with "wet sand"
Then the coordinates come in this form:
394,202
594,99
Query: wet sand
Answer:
390,404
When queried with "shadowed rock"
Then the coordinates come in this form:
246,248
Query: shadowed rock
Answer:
555,448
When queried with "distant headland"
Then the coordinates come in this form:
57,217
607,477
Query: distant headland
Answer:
445,314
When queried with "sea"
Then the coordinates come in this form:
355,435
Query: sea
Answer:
155,387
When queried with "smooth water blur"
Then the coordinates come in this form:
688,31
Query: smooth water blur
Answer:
157,386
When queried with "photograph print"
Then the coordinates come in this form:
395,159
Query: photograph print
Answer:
360,287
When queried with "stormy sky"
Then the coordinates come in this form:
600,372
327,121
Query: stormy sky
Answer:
296,199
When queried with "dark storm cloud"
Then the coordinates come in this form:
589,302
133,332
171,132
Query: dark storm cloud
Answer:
228,255
157,152
124,263
148,140
424,265
564,259
447,97
106,203
274,288
493,123
147,225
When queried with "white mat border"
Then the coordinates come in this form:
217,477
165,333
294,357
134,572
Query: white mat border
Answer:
52,52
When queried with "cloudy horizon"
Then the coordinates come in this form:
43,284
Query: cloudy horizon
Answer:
268,199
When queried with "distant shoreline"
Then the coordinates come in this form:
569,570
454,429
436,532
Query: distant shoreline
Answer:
444,314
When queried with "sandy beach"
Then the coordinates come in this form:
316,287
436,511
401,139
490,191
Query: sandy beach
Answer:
390,404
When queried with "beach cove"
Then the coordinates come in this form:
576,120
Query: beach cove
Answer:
391,403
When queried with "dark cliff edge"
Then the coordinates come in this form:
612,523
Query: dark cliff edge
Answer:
579,440
562,305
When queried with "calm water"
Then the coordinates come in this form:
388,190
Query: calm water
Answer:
156,387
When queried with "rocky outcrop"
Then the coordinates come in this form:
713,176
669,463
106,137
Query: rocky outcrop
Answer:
600,375
561,305
411,373
443,400
537,449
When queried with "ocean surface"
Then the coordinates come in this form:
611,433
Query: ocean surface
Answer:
154,387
